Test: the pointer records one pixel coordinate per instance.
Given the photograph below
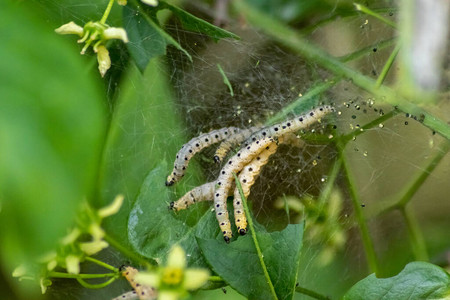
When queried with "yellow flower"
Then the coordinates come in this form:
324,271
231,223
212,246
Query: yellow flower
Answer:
97,33
174,280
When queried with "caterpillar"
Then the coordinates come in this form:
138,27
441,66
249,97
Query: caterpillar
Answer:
292,125
143,292
225,179
247,178
201,193
194,146
233,141
131,295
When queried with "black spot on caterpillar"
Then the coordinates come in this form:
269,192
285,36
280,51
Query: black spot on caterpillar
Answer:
233,141
236,163
131,295
194,146
247,178
293,125
143,292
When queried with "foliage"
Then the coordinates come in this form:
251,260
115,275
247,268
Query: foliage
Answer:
63,157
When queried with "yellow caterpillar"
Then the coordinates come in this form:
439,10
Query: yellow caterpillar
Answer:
142,292
201,193
247,178
225,180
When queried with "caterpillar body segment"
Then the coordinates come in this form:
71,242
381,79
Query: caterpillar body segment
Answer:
201,193
143,292
233,141
292,125
194,146
225,180
131,295
247,178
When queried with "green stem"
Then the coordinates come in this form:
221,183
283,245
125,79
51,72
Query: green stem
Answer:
326,192
298,44
137,258
75,276
365,235
387,66
369,49
417,183
215,279
96,286
310,293
107,11
417,240
103,264
255,240
408,192
305,101
370,12
349,136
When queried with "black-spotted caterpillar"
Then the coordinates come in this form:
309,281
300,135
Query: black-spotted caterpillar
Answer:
258,143
194,146
141,292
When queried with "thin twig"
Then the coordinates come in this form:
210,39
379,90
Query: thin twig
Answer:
365,234
311,293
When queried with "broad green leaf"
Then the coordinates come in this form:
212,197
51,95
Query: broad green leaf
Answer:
153,228
191,22
418,280
52,126
145,130
147,38
239,265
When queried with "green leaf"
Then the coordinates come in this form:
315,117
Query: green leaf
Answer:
52,125
191,22
146,38
144,131
153,228
238,263
418,280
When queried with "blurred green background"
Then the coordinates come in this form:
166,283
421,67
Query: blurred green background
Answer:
67,135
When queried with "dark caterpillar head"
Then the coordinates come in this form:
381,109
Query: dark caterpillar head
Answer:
242,231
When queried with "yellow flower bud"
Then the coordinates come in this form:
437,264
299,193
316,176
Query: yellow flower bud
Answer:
150,2
115,33
73,264
111,209
70,28
93,247
104,62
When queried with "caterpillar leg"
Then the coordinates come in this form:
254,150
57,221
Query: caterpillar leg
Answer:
247,178
225,180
